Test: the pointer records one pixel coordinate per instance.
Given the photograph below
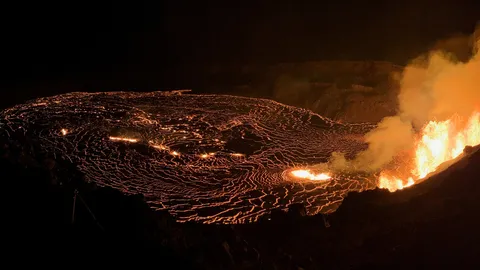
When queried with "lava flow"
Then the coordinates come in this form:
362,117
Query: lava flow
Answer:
204,158
437,143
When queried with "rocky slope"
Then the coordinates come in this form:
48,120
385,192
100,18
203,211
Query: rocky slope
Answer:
353,91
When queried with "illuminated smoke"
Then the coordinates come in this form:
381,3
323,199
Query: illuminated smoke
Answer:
436,87
391,136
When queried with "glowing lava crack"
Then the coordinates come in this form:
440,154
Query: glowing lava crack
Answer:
207,158
307,174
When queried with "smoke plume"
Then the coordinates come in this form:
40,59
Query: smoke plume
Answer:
435,86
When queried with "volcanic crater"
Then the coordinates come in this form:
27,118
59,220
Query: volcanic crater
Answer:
204,158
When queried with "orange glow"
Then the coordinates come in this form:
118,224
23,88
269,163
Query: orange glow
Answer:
157,146
64,131
438,142
393,183
124,139
160,147
207,155
307,174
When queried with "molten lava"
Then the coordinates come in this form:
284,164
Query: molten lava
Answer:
124,139
438,142
307,174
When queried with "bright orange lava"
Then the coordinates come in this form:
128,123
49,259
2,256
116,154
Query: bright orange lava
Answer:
438,142
306,174
124,139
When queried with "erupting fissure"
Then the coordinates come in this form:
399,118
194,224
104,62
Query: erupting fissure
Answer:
438,142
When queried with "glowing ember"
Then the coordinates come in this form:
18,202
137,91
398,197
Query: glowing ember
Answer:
438,142
158,146
64,131
124,139
307,174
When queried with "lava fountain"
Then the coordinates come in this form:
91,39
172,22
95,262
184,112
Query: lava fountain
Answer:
438,142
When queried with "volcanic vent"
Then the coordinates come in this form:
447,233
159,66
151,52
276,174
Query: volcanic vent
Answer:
206,158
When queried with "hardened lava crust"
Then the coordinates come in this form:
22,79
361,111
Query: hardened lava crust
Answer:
204,158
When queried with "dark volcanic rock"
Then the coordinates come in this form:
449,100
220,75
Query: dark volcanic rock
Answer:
352,91
432,223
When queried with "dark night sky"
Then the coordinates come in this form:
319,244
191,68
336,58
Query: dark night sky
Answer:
107,45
